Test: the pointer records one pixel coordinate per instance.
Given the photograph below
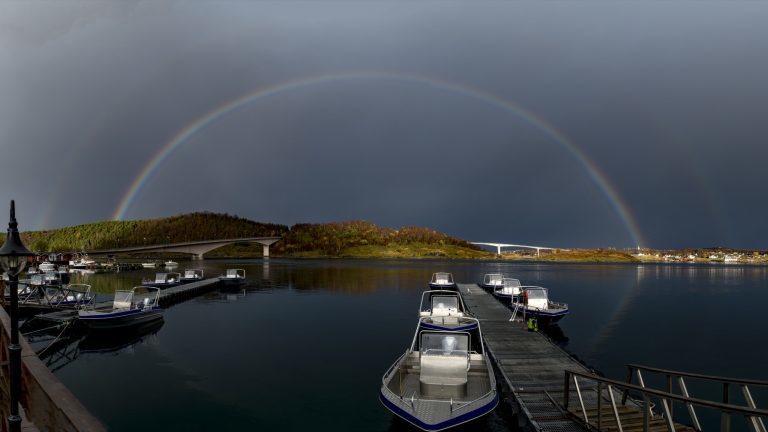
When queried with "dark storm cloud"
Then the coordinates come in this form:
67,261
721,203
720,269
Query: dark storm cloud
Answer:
668,100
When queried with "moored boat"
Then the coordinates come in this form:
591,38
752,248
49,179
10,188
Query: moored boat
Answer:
46,266
535,303
442,280
510,289
444,379
232,277
491,280
149,264
138,306
444,310
163,280
192,275
81,262
171,263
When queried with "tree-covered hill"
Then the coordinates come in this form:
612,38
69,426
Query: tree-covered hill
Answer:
342,239
116,234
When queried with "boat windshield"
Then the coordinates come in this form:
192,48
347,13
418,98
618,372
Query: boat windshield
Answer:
446,344
122,300
445,305
493,279
511,283
161,277
537,293
442,278
232,273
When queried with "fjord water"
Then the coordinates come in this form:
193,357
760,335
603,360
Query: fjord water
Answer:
305,344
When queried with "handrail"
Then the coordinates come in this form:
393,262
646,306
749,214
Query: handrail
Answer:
739,409
700,376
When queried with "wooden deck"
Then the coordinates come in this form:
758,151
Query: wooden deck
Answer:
532,367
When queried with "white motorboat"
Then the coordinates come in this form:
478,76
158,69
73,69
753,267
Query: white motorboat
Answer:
149,264
81,262
509,289
444,379
535,303
442,280
192,275
163,280
492,280
444,310
171,263
232,277
138,306
46,266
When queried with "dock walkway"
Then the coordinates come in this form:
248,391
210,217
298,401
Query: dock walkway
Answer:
168,296
532,366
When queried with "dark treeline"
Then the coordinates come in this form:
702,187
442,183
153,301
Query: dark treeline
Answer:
334,238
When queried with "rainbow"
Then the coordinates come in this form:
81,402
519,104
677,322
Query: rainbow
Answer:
597,176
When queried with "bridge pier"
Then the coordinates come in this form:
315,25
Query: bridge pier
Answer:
197,257
265,251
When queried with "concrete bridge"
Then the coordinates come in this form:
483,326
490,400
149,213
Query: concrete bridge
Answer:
196,248
498,247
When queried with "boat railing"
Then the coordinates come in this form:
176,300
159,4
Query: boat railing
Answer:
644,399
79,293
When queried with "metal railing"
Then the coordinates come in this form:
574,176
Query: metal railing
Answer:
756,423
665,399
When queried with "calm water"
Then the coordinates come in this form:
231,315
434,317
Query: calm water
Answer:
305,344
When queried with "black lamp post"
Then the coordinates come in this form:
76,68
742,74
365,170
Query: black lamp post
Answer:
13,259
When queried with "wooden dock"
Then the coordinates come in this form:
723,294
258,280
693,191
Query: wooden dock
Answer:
168,296
531,365
533,370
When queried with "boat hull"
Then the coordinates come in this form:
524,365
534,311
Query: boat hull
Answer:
436,286
459,326
230,282
120,320
545,318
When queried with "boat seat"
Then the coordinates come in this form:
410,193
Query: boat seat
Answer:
445,319
444,375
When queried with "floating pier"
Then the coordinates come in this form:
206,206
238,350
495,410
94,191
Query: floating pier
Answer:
535,380
531,365
168,296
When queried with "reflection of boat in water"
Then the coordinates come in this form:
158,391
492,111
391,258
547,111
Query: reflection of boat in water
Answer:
442,280
232,277
443,380
444,310
192,275
492,280
535,303
130,308
117,340
508,290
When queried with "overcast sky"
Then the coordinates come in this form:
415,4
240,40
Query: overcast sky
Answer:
664,103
